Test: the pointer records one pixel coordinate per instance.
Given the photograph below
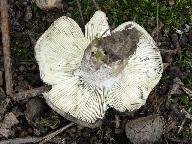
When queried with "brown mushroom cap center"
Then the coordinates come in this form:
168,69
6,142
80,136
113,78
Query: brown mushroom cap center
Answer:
113,50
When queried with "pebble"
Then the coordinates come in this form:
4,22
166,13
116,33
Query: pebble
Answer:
145,130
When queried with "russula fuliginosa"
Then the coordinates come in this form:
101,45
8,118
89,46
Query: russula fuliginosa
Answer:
101,69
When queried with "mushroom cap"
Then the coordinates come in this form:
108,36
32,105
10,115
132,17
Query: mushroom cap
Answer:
59,53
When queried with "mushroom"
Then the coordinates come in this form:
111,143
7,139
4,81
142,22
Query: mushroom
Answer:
101,69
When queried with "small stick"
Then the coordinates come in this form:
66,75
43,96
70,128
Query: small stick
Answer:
80,11
20,140
27,140
96,5
30,93
181,126
187,91
51,135
6,47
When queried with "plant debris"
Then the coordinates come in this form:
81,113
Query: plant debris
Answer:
9,121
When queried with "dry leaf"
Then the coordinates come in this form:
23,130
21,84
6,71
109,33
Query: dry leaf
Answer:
9,121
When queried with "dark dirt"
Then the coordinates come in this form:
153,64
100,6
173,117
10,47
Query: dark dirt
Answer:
35,118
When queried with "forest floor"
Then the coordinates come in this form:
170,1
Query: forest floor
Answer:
171,98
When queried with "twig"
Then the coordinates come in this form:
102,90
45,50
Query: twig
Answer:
181,126
20,140
6,47
51,135
157,29
96,5
157,20
30,93
187,114
80,11
186,90
29,140
176,140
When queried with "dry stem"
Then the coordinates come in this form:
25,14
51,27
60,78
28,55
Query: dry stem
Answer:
80,11
30,93
51,135
6,47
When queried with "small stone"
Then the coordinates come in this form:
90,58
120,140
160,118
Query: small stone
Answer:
145,130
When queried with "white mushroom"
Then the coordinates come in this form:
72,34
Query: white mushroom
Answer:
102,69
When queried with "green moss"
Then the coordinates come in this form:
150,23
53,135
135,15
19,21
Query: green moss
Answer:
182,100
184,61
51,121
143,12
165,78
